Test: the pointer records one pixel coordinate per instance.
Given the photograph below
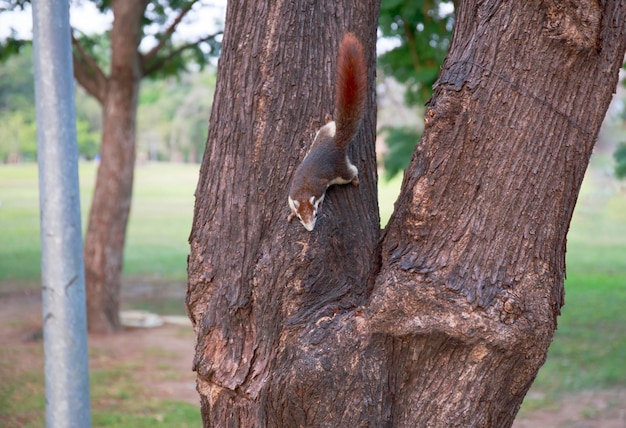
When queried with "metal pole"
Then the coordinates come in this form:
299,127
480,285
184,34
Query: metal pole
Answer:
62,270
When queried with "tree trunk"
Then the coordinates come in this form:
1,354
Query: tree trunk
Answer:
445,319
108,217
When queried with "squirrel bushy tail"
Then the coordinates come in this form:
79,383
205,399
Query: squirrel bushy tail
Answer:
351,89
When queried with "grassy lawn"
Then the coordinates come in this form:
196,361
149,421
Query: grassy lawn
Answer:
158,229
156,250
118,395
588,352
159,225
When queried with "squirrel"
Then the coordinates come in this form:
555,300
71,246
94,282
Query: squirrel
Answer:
327,163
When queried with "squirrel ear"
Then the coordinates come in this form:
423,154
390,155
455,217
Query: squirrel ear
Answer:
296,204
312,200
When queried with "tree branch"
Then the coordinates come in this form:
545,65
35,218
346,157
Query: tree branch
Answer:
157,65
88,73
151,55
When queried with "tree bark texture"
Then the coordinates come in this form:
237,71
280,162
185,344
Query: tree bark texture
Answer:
445,319
108,217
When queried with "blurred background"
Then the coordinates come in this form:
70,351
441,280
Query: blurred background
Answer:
142,376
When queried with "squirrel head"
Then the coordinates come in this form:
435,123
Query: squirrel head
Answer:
305,210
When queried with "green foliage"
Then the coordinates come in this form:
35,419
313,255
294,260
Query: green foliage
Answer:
88,140
97,46
17,92
175,58
400,143
171,58
11,46
173,117
423,31
620,161
18,137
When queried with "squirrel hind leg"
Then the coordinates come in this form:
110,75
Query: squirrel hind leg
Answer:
350,175
354,172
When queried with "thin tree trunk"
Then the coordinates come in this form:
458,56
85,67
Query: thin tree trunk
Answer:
446,319
108,217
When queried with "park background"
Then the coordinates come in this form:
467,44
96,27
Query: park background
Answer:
143,377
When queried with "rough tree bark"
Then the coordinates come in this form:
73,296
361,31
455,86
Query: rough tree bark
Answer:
445,318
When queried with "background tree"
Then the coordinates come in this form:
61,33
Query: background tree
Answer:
443,319
117,92
110,68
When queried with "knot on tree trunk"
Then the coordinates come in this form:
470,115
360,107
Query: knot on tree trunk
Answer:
577,22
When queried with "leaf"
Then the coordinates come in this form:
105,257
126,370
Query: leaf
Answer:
620,159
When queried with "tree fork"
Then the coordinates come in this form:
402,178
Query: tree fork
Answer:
447,318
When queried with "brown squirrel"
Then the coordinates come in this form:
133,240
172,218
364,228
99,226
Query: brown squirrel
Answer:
327,163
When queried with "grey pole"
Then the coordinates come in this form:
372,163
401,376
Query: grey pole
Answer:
62,270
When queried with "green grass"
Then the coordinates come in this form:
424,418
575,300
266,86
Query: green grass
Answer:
388,191
160,220
589,347
19,222
117,397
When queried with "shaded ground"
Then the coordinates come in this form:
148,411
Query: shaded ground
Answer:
160,360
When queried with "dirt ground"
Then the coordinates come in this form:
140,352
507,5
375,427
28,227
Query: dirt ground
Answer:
170,349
